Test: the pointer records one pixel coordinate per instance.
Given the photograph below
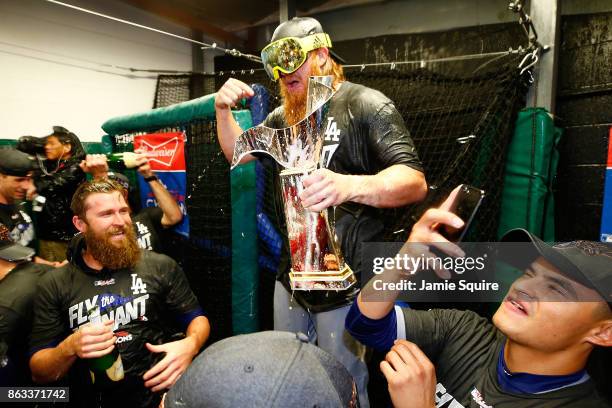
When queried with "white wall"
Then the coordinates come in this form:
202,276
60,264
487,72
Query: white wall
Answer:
51,72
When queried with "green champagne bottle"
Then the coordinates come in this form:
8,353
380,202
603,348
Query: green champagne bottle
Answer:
128,159
106,369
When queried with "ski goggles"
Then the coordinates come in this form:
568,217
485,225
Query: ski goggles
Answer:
288,54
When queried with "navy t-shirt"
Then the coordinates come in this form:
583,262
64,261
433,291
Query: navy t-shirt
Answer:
146,302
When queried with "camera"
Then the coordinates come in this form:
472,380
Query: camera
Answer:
31,145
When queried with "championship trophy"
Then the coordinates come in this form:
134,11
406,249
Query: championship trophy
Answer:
316,260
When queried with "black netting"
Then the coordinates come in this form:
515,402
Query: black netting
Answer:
461,117
461,126
172,89
206,254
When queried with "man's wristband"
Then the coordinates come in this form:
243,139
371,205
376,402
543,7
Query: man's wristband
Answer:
151,178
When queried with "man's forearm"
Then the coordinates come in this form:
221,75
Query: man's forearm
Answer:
51,364
172,214
198,332
395,186
375,304
377,309
228,131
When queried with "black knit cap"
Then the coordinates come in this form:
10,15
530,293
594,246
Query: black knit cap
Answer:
15,163
301,27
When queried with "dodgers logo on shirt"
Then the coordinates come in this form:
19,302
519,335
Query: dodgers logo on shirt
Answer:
143,236
331,141
138,287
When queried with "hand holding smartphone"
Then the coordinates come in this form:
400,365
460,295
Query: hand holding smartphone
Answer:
465,205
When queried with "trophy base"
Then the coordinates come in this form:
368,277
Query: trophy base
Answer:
322,280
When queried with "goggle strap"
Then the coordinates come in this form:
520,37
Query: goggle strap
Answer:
308,43
312,42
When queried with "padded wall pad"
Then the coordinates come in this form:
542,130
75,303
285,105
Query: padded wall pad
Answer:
527,199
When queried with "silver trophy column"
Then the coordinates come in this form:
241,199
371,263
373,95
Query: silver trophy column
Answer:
316,261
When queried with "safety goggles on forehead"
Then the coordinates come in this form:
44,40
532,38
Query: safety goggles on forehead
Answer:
288,54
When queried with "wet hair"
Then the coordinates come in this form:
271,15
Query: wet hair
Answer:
332,68
337,71
105,186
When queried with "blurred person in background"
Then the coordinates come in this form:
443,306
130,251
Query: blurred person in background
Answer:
16,171
58,180
18,279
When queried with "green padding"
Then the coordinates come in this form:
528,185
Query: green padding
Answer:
245,275
200,108
94,147
244,118
527,199
7,142
107,144
173,115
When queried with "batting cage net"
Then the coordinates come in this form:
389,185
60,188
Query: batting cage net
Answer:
460,114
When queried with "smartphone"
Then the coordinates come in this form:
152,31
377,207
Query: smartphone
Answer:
465,206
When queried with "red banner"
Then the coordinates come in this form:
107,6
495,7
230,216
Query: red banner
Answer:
165,151
610,150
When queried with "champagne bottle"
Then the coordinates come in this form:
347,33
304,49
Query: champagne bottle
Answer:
106,369
128,159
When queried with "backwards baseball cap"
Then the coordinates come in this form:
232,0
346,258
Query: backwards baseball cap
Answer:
13,252
586,262
15,163
266,369
290,44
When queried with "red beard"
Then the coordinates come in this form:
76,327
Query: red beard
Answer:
294,103
113,254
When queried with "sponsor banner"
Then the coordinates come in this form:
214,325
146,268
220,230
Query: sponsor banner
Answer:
166,153
606,217
484,272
